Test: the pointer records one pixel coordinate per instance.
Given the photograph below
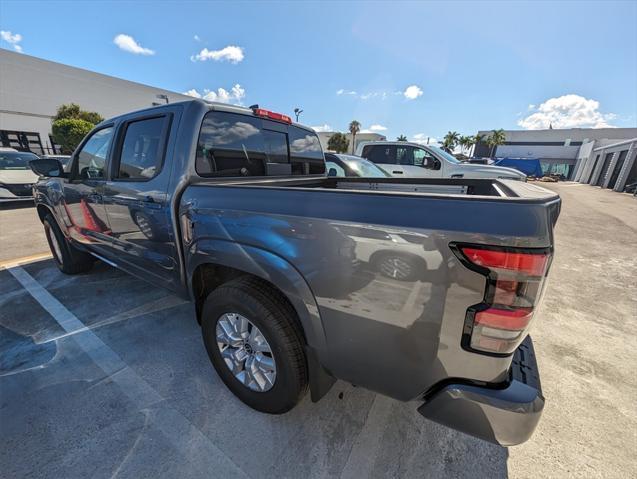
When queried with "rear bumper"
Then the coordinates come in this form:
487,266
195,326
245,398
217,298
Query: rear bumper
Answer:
505,416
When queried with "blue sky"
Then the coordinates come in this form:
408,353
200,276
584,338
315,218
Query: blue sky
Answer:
470,65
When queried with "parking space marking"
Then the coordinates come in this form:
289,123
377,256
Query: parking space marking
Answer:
9,263
186,438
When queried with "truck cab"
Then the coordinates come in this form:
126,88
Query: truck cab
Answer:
411,160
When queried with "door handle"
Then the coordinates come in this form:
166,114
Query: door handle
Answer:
397,172
149,202
457,176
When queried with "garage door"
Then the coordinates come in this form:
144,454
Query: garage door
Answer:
617,169
605,167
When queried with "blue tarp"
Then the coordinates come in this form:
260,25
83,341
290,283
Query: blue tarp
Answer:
528,166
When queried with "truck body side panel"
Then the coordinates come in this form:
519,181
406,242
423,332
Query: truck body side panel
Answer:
391,294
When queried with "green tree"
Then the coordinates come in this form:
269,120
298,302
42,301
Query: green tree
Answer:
338,142
496,138
69,132
401,138
354,128
71,124
450,141
73,110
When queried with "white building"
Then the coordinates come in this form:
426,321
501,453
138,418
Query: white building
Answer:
32,89
557,149
607,163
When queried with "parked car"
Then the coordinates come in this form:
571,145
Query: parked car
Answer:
16,177
349,165
267,247
402,159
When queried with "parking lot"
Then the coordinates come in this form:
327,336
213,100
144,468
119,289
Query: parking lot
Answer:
104,376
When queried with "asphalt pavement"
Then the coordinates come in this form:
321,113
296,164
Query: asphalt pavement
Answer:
102,375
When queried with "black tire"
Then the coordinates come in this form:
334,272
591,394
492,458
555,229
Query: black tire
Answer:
69,259
268,310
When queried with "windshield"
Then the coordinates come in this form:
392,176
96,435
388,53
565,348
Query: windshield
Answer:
16,160
448,156
363,168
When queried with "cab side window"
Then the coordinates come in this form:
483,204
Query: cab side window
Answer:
91,160
232,145
425,159
142,149
380,154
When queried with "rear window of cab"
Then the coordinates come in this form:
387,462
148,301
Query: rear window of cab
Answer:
236,145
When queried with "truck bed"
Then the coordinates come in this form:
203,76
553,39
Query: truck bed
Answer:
440,187
341,235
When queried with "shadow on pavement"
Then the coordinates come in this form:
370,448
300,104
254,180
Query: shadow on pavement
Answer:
62,415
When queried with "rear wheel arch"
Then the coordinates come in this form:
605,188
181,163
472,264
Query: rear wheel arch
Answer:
208,276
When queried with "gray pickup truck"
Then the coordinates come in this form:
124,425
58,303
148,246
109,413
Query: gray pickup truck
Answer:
419,289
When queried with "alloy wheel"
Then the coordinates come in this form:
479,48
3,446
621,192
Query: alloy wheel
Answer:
246,352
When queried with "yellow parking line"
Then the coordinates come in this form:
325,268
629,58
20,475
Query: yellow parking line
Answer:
10,263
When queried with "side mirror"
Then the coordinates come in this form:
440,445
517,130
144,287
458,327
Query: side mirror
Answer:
332,172
49,167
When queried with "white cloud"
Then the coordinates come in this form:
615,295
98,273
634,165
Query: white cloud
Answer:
422,138
531,106
12,38
567,111
378,128
196,38
193,93
322,128
345,92
231,53
412,92
234,96
128,44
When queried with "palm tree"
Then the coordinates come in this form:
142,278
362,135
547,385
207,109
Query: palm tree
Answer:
496,138
465,142
354,128
401,138
450,141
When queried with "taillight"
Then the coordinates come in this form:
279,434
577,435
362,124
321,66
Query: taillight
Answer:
272,115
515,278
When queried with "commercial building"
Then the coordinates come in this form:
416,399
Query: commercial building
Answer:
607,163
324,138
559,150
32,89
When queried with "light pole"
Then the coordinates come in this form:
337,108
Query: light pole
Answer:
163,97
297,112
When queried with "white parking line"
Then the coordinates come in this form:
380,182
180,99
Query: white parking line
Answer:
187,439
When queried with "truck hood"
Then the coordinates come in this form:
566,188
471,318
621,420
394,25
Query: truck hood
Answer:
17,177
496,171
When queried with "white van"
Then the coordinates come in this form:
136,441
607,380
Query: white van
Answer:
403,160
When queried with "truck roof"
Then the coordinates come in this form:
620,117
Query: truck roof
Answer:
211,105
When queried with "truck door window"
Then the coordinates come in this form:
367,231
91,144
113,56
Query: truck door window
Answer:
230,144
405,155
91,160
382,154
425,159
141,153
